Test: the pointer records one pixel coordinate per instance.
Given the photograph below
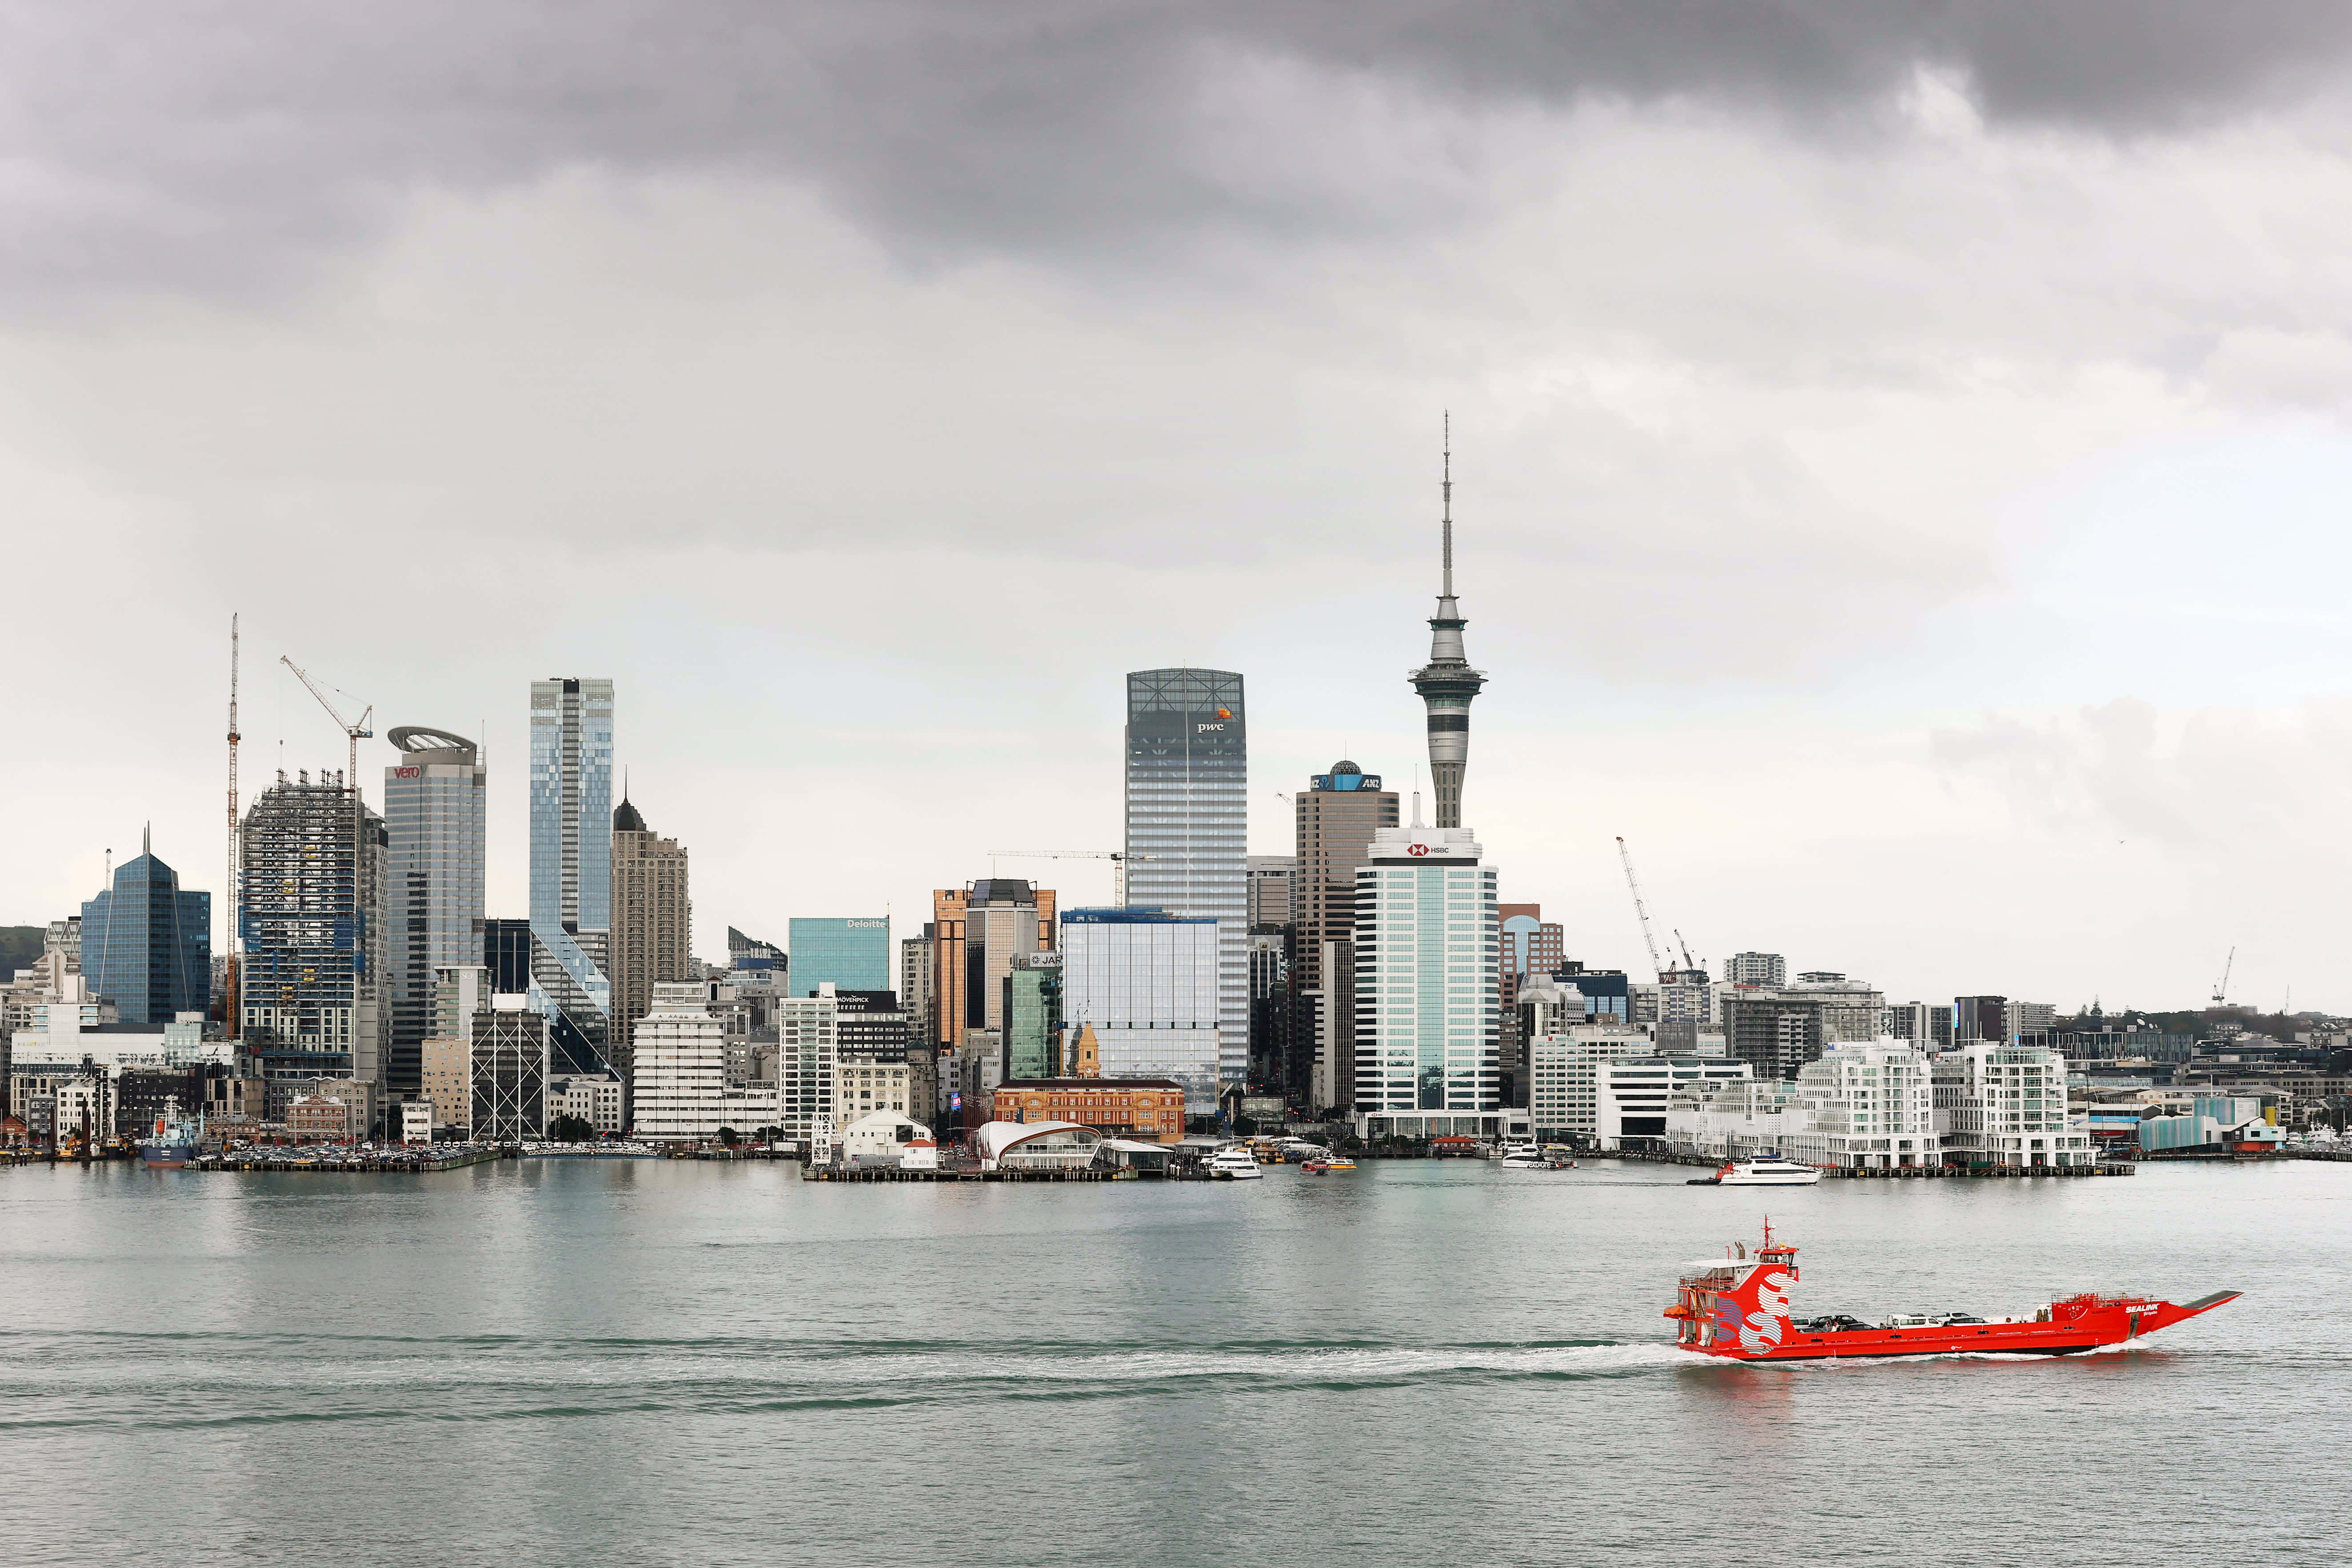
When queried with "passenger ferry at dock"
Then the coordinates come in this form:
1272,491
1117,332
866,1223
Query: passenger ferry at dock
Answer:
1737,1307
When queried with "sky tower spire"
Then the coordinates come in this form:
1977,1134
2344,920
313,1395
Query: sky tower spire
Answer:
1447,683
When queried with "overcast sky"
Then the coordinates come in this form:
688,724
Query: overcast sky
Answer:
1900,450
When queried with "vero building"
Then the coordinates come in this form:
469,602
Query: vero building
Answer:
1427,1029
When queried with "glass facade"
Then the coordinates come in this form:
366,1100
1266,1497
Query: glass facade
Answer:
434,831
1149,984
1187,824
853,952
571,844
148,946
1427,961
1033,1017
308,924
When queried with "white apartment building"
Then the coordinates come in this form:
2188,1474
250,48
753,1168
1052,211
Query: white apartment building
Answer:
1428,957
1632,1093
866,1084
808,1062
416,1120
2002,1104
1864,1105
593,1097
679,1066
1564,1067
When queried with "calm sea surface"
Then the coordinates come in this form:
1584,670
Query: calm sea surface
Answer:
639,1361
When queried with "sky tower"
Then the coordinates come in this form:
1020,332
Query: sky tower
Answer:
1447,683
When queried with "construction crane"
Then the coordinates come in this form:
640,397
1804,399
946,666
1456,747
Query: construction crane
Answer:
2221,985
1688,963
1118,858
231,1003
1626,855
356,733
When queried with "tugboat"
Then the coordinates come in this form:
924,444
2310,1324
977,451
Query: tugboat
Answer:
1737,1308
172,1143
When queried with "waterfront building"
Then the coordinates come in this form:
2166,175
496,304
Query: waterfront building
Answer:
977,931
509,1065
434,864
594,1098
1144,1109
652,939
1632,1093
1565,1065
1270,888
446,1078
680,1051
1033,1017
145,944
1426,959
808,1062
571,857
853,952
868,1085
1336,816
1755,969
1447,683
1187,823
1147,985
890,1140
1861,1104
310,889
1998,1103
316,1119
416,1122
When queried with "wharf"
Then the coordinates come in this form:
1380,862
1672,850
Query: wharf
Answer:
252,1160
812,1173
1904,1172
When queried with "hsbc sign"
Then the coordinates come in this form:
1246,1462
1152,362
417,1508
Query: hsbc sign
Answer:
1418,850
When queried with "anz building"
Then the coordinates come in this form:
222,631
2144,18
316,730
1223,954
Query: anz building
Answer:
1187,824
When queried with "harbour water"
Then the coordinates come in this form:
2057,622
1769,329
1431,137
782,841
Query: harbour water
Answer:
622,1361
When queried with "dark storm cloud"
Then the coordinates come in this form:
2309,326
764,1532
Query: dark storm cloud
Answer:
211,144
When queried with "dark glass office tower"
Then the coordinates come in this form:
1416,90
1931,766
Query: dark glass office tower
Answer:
148,946
571,848
1187,824
434,828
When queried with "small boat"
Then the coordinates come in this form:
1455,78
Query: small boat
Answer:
1737,1307
1528,1157
1234,1162
1328,1163
1765,1170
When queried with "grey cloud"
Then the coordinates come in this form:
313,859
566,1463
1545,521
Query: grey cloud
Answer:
217,145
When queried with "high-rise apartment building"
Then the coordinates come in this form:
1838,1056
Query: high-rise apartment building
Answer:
1278,1065
1779,1028
1532,947
679,1047
1927,1025
977,931
918,967
852,953
1188,820
652,941
146,946
310,891
572,856
434,833
1975,1019
1146,984
1336,816
1755,969
1447,683
1270,878
1426,961
808,1032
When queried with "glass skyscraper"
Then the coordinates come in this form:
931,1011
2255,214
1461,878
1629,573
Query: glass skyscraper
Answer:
147,945
1427,961
852,953
1147,983
571,854
1187,824
433,829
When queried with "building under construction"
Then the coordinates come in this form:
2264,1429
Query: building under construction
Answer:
308,919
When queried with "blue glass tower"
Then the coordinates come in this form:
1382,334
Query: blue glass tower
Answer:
571,854
147,945
853,952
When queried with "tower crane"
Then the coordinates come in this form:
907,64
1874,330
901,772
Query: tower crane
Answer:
355,733
1626,855
1117,858
2221,985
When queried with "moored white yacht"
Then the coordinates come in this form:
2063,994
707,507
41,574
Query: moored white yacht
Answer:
1767,1170
1234,1162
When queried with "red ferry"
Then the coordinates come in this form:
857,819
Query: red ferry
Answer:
1737,1307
